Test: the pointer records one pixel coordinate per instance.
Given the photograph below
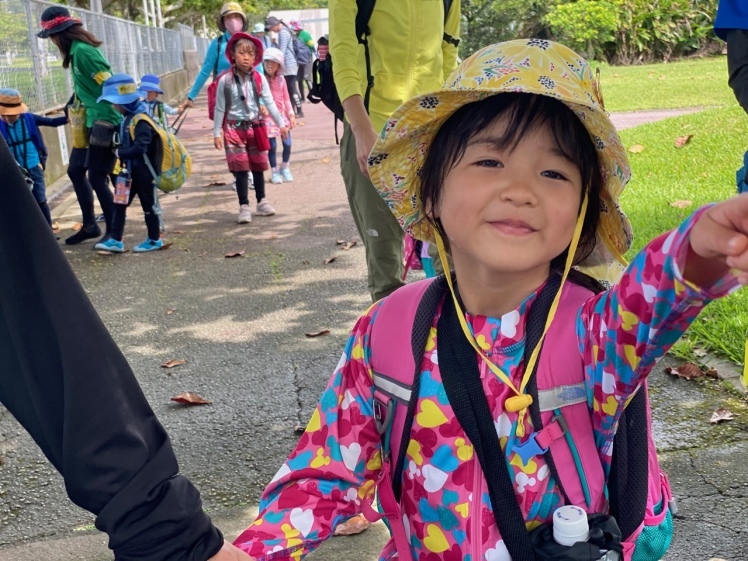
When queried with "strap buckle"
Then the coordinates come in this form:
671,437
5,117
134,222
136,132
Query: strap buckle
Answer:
540,441
383,414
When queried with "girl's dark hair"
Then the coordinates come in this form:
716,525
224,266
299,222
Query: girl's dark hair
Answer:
64,41
525,113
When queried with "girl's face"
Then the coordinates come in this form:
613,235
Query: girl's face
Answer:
510,211
271,67
10,119
244,57
151,96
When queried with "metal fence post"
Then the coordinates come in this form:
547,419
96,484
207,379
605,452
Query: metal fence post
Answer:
35,55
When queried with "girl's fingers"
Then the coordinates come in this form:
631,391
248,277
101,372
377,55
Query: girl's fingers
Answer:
712,238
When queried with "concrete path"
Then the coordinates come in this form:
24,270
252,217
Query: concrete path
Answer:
629,119
240,323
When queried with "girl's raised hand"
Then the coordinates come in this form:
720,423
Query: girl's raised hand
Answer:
719,242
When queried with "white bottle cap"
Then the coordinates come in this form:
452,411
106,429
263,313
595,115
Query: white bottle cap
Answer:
570,525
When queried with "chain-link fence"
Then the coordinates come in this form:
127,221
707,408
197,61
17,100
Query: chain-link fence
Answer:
34,66
191,42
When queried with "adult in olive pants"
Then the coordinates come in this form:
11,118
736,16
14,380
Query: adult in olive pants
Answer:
381,233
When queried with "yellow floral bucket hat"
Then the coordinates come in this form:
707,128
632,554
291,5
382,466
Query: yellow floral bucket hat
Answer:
530,66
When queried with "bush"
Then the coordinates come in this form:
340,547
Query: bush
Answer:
587,26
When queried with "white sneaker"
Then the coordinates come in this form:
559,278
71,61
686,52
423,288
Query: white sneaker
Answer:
245,215
264,208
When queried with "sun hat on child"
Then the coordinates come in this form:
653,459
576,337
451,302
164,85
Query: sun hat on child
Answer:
11,102
120,89
151,83
241,35
259,28
274,55
529,66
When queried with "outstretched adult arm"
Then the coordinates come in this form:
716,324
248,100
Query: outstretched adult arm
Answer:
64,379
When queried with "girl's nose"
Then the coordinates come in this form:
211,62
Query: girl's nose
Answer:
519,192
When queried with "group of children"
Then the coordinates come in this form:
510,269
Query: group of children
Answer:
251,105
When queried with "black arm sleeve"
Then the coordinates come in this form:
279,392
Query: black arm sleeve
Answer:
139,145
64,379
737,64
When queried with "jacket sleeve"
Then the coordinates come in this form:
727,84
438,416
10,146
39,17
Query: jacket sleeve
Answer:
206,70
451,28
626,329
139,145
344,48
95,66
169,110
80,401
220,109
42,121
333,469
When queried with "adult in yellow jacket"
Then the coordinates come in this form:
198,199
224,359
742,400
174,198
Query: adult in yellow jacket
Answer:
412,49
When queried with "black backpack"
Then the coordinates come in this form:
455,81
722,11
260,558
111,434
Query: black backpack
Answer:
323,84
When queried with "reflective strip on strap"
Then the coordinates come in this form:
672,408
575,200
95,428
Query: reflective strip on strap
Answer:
562,396
392,388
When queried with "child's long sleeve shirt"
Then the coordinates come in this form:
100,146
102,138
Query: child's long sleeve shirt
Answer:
621,333
246,109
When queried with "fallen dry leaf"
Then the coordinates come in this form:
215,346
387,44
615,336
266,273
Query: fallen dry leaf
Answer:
176,232
106,252
167,245
235,253
325,160
636,149
318,333
330,260
339,242
214,176
173,362
77,226
216,183
305,262
190,398
712,373
681,141
681,204
170,311
721,414
354,526
701,353
687,370
348,246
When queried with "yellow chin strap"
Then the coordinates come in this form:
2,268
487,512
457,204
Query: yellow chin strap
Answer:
521,400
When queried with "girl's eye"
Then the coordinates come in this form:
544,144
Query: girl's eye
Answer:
554,175
489,164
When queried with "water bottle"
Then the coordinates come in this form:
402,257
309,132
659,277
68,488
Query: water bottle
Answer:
571,525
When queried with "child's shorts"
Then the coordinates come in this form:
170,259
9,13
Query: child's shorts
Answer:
241,150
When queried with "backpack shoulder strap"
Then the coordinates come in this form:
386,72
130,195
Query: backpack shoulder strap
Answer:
218,55
447,38
365,9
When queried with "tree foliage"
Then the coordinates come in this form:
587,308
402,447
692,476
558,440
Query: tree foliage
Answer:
619,31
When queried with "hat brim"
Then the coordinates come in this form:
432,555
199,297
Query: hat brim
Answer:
151,89
401,149
122,99
45,33
14,110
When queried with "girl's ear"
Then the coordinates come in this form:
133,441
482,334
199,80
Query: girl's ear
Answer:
430,210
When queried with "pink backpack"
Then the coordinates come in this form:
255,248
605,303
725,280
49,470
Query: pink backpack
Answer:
638,491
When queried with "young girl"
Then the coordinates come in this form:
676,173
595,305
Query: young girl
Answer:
120,90
237,117
273,61
512,168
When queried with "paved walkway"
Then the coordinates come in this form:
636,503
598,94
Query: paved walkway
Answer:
240,324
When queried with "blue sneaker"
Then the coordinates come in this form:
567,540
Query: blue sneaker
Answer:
111,245
286,174
148,245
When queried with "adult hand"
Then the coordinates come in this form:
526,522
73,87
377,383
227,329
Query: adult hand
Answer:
187,103
218,143
230,553
719,242
362,129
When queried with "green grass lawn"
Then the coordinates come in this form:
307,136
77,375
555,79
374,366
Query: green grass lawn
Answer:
703,171
688,83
